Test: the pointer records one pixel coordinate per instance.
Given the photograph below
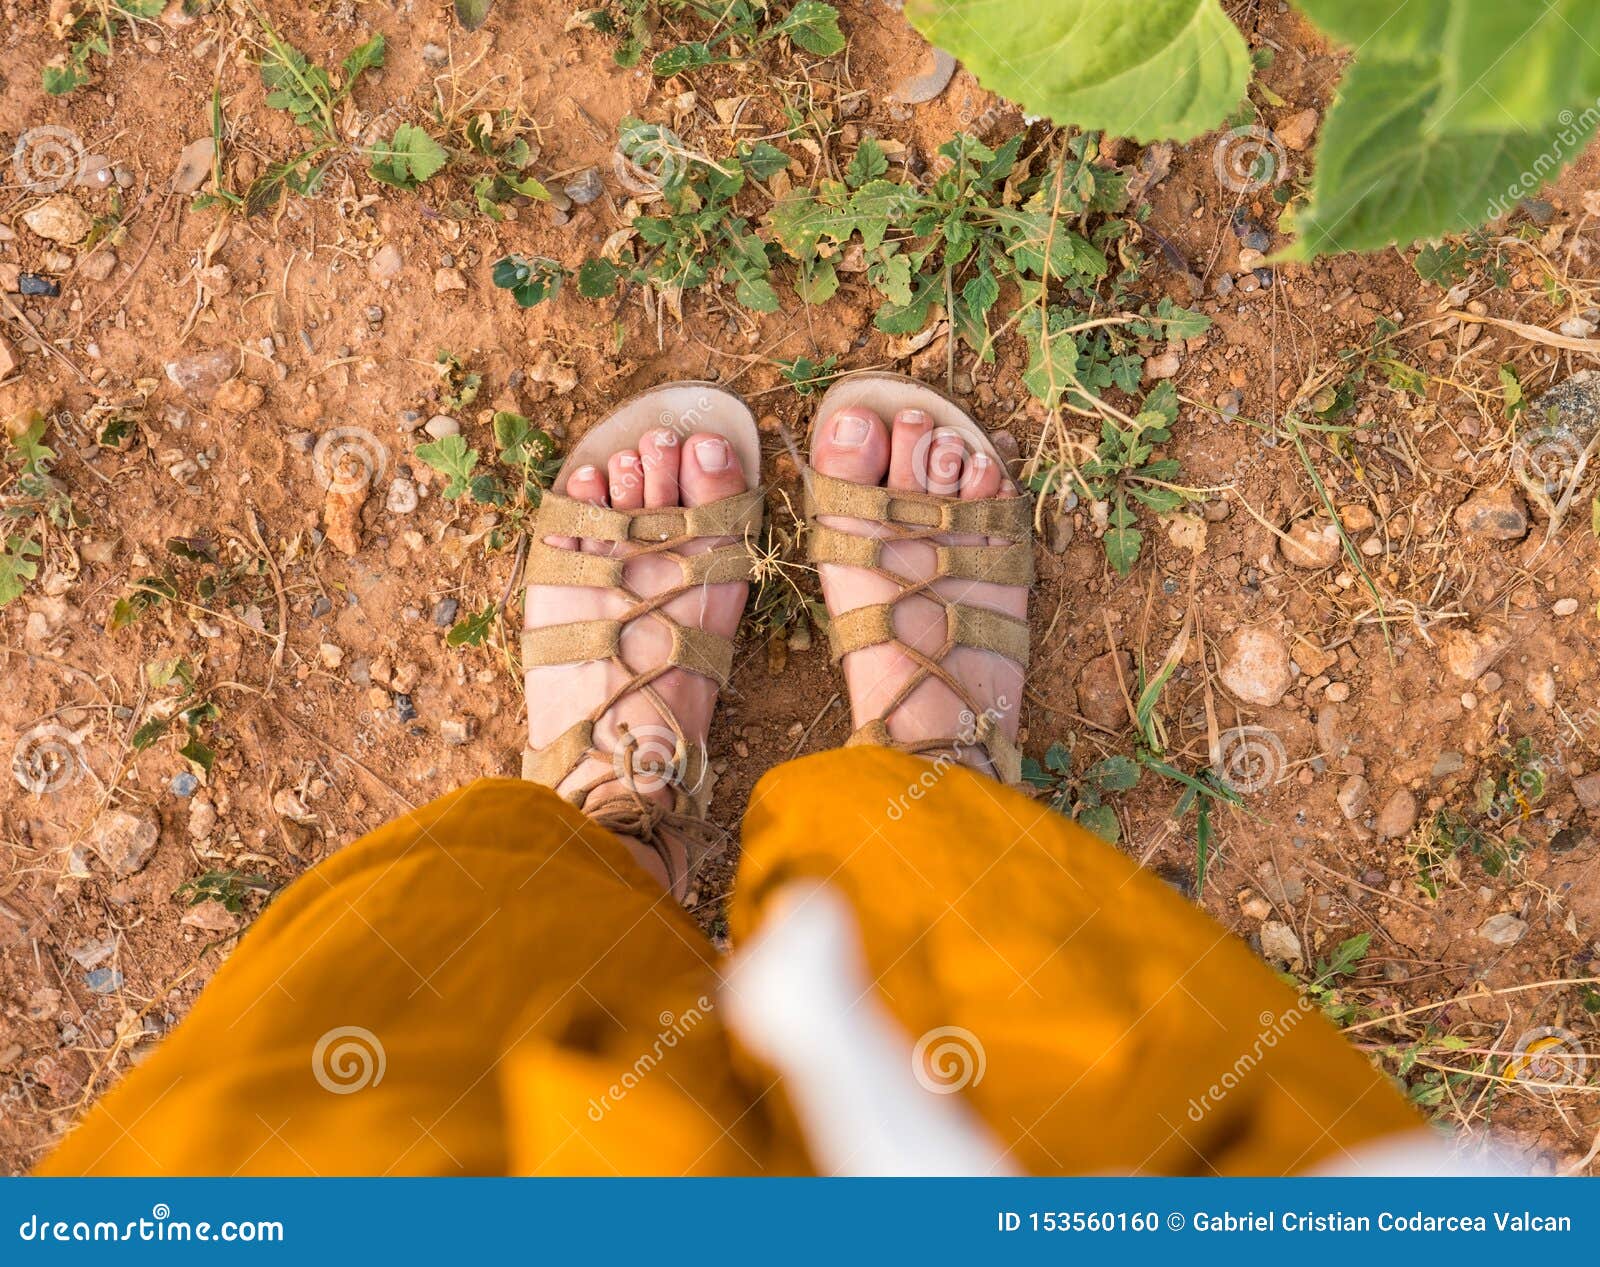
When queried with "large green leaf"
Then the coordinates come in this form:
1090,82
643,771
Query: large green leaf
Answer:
1383,177
1505,67
1519,65
1393,28
1149,69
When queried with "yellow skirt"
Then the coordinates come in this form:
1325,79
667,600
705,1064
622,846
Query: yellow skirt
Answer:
490,985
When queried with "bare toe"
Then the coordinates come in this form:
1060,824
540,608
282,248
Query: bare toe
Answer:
710,470
908,459
587,484
660,452
947,460
982,477
852,445
626,480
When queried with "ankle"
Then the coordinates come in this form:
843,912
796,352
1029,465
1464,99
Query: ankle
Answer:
630,818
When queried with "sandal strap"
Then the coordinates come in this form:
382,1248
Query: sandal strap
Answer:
1004,756
915,516
1010,518
551,764
561,516
976,627
697,650
668,755
1003,565
555,566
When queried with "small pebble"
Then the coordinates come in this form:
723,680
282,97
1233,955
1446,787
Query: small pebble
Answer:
386,263
402,499
184,784
441,425
444,612
585,187
1503,930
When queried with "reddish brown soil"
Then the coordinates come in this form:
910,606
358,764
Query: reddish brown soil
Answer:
311,728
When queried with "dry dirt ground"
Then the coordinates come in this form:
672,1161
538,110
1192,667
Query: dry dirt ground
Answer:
338,703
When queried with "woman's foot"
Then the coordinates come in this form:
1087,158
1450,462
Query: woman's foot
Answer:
910,453
664,471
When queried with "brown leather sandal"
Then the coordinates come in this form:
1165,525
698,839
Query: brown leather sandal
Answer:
665,756
917,516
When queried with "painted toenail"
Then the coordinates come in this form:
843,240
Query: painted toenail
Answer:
981,461
915,418
628,459
713,455
850,431
584,473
